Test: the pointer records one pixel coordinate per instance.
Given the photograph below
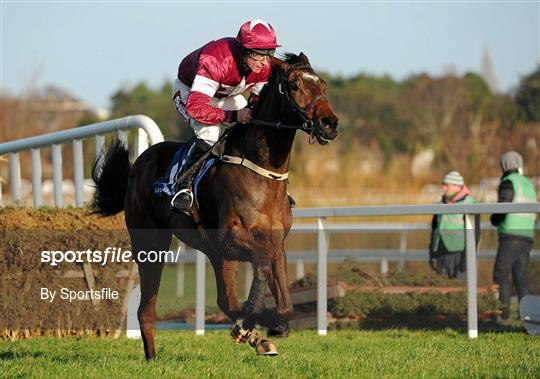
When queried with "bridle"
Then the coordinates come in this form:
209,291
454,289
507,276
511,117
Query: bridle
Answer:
284,89
307,124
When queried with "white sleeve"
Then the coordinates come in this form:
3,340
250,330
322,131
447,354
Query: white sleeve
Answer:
256,89
205,85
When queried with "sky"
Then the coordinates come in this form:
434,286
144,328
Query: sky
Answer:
93,49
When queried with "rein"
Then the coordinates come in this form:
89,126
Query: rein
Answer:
278,125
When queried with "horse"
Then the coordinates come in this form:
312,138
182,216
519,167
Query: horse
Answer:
243,216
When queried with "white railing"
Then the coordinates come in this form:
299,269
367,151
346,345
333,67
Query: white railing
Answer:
147,130
321,214
383,256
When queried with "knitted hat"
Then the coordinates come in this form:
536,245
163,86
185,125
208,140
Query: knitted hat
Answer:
455,178
511,160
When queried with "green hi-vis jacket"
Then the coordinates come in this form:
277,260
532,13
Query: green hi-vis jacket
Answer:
451,229
519,224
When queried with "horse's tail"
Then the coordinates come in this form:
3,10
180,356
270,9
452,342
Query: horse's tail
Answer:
111,177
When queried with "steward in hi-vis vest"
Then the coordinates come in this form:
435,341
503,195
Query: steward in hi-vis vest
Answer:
516,232
450,229
519,224
448,236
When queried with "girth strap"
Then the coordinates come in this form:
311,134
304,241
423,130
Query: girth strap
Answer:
252,166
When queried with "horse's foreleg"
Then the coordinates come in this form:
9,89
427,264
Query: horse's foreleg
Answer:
253,309
225,273
278,284
227,300
254,306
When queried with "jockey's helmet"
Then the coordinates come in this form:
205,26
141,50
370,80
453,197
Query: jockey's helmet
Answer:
258,36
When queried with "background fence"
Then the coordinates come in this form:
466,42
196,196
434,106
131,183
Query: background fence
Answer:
147,131
324,254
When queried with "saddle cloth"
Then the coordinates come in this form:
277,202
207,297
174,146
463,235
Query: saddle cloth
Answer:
167,184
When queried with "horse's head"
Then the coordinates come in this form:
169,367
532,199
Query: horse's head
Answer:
305,93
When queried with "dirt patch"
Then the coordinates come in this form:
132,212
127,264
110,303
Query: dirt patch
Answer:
53,218
25,234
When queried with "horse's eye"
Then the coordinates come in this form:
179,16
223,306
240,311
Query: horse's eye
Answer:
293,86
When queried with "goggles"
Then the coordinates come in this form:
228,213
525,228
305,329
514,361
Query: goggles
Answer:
257,53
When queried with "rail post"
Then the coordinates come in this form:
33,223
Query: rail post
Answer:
300,269
57,175
15,175
200,271
402,249
322,277
36,177
472,306
78,172
180,272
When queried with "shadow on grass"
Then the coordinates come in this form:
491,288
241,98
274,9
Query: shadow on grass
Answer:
416,321
12,355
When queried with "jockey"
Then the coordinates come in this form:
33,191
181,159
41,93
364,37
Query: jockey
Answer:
208,91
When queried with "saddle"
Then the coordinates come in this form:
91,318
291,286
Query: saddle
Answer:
166,185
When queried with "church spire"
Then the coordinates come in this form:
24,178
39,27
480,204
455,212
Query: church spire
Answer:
488,72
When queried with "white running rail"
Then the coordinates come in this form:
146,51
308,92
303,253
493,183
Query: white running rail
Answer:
147,131
323,247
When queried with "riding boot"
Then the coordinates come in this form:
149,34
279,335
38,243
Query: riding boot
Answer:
292,202
183,199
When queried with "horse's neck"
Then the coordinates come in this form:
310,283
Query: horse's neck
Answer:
265,146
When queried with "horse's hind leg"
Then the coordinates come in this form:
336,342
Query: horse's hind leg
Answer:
150,274
150,278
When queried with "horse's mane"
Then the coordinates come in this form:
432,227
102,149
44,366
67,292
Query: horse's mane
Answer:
291,58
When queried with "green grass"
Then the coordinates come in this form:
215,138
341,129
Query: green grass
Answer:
390,353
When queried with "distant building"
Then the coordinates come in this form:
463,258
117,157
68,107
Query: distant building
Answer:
488,72
55,108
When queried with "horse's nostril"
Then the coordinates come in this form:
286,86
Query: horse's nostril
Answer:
327,122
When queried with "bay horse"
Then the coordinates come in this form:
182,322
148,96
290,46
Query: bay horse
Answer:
244,216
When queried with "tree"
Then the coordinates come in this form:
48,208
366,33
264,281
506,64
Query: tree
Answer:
528,97
156,104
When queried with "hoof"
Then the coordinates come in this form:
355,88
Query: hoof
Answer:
266,347
280,331
262,345
238,333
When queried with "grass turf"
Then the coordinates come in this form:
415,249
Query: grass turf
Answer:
389,353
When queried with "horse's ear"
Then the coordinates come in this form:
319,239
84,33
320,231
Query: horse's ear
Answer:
304,59
281,65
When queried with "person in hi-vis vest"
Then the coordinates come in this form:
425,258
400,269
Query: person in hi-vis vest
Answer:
447,246
516,232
